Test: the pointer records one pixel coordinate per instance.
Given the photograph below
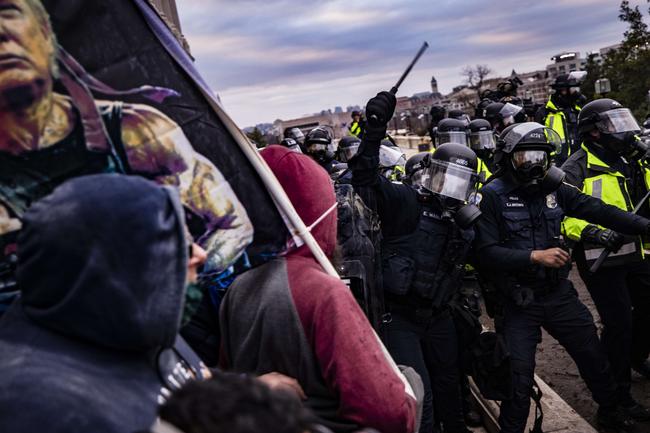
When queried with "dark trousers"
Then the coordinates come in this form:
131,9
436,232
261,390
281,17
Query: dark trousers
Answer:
431,348
567,319
622,297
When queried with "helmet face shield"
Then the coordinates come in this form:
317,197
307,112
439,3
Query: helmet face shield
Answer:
482,140
617,120
449,180
346,153
459,137
391,157
509,110
297,135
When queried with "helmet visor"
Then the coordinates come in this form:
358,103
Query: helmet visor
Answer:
509,110
346,153
391,156
297,135
449,180
524,159
618,120
482,140
459,137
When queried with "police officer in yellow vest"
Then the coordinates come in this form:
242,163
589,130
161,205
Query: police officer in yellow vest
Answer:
611,165
561,113
358,125
482,142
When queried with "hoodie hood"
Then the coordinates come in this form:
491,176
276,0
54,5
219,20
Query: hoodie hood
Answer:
310,190
104,259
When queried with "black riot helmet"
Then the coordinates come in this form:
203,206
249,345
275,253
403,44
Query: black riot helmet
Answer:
296,134
318,144
502,115
291,144
525,150
348,147
450,175
479,113
481,137
617,128
458,115
451,131
450,171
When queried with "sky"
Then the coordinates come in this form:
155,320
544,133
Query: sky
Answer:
282,59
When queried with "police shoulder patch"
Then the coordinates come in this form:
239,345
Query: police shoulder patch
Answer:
551,201
475,198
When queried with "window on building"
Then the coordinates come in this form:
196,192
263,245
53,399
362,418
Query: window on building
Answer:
572,67
562,69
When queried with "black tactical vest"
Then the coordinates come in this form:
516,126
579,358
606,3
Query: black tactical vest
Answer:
429,263
32,175
530,223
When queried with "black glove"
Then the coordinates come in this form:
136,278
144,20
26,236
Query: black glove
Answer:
609,239
379,110
522,296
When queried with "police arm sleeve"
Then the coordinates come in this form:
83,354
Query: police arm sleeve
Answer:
572,227
376,191
593,210
491,254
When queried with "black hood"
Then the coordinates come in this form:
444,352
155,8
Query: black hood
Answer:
104,259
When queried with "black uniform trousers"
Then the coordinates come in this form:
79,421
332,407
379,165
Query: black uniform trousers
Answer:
622,297
430,347
567,319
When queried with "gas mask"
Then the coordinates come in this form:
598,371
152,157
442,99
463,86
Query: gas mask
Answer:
532,169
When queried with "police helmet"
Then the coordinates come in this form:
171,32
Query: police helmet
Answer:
355,113
348,147
481,136
606,115
291,144
294,133
451,131
318,143
450,172
526,149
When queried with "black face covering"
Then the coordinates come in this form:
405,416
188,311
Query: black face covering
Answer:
624,144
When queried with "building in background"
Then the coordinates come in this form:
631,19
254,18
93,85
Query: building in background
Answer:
565,62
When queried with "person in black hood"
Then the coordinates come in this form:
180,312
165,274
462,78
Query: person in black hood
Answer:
92,343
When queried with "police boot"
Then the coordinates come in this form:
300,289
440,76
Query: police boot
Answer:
643,368
615,420
635,410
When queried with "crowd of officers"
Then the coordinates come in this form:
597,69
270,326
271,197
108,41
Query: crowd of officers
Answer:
509,199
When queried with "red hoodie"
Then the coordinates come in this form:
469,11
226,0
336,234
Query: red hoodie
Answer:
290,316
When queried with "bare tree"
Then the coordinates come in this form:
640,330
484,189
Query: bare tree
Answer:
475,76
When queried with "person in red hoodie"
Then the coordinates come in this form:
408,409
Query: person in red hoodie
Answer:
289,316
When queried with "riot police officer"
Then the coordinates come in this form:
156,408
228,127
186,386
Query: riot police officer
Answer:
518,241
483,143
611,165
502,115
427,232
318,145
295,134
561,113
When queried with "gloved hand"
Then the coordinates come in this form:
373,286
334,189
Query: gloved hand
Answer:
609,239
522,296
379,110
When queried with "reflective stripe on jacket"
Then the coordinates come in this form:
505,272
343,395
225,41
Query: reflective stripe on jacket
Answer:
603,182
